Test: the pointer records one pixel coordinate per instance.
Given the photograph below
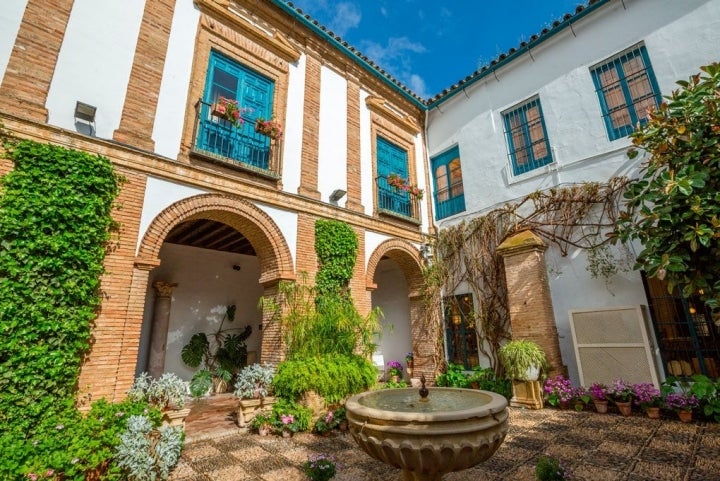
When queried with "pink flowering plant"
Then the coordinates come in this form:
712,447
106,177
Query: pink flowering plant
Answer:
581,397
620,391
326,423
229,110
559,390
287,423
270,128
320,467
680,401
598,391
400,183
646,395
395,367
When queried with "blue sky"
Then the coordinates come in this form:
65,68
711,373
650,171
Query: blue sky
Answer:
431,44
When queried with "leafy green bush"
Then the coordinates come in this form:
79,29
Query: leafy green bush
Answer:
146,453
71,444
454,376
708,394
301,414
333,376
487,380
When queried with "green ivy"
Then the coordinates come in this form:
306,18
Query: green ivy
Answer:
55,226
336,246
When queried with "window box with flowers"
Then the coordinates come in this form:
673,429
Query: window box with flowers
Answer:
270,128
228,109
404,185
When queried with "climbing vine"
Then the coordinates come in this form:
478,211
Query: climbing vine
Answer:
577,216
55,226
336,245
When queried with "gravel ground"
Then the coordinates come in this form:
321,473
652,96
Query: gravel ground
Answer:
593,446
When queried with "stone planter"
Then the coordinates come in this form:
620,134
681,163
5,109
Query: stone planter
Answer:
527,394
246,411
175,417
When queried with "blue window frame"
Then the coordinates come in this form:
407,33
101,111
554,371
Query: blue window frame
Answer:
527,137
447,176
254,94
392,159
627,90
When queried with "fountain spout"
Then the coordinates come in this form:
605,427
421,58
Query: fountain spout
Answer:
423,390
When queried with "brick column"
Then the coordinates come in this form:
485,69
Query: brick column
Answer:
311,128
32,62
529,302
353,145
272,350
424,339
160,323
138,117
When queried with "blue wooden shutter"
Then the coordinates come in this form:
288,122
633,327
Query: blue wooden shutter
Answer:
391,159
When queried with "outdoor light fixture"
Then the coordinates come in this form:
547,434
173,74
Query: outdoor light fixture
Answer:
85,112
337,194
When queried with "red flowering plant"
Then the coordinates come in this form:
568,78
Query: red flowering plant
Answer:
270,128
229,110
559,390
646,395
404,185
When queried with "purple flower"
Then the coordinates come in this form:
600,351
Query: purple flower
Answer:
598,390
681,401
646,394
393,364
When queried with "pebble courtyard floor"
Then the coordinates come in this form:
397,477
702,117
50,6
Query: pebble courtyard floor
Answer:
593,446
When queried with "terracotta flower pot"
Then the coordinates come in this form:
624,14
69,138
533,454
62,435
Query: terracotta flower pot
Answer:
653,412
601,405
625,408
286,433
685,416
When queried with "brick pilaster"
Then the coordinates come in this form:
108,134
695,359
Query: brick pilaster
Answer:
272,350
306,258
311,128
425,339
138,117
32,62
353,146
528,290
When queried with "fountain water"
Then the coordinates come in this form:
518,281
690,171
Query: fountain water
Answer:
440,431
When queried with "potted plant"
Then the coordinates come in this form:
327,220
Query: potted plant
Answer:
550,469
325,424
648,397
580,398
253,385
228,109
621,393
270,128
559,391
341,419
168,392
319,467
409,361
522,359
682,403
394,370
262,423
598,392
220,360
286,425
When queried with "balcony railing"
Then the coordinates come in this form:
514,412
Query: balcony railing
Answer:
218,138
397,202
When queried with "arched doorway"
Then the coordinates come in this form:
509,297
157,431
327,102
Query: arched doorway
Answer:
213,251
395,278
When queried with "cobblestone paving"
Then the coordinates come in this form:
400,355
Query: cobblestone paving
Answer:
593,446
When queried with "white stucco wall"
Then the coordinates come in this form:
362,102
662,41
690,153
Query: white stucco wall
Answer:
391,297
172,100
94,63
207,283
679,38
366,162
292,137
332,151
287,222
421,166
372,241
10,19
160,194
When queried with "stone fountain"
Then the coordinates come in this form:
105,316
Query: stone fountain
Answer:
437,431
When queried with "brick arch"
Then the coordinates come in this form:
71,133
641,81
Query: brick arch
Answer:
407,258
260,230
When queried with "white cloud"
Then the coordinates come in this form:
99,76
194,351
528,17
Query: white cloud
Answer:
347,16
397,58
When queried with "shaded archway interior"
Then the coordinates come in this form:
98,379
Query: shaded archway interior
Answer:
210,234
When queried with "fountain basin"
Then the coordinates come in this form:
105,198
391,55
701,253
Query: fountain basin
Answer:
454,430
